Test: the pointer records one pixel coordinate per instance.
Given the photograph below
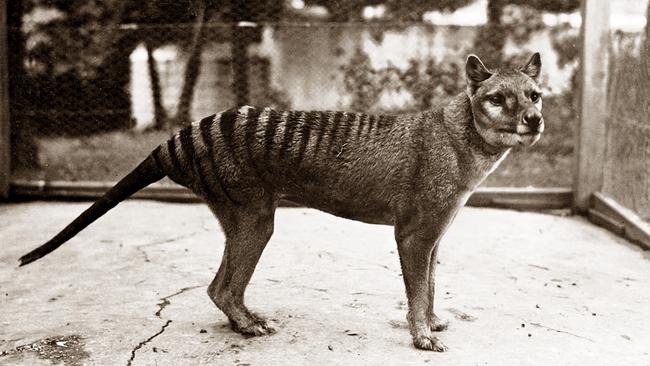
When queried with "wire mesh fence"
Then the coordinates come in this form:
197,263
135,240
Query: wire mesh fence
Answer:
95,86
627,161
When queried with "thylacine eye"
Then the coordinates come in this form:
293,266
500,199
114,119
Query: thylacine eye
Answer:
496,99
535,97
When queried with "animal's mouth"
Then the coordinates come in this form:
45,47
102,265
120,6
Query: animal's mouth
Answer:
519,136
529,133
522,132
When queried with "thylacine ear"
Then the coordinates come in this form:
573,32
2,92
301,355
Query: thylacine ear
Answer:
533,67
476,72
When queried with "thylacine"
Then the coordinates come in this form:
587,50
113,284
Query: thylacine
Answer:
412,171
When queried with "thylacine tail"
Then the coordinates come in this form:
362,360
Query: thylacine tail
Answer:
149,171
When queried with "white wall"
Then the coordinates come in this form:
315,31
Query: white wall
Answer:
306,64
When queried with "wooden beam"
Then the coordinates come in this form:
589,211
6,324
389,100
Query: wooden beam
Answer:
90,191
509,198
5,163
525,199
607,213
591,137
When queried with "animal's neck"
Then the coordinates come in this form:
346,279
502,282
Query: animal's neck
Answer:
459,113
477,157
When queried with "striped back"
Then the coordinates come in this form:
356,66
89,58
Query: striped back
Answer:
239,145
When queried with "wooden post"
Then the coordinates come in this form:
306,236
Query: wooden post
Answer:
240,68
5,163
591,133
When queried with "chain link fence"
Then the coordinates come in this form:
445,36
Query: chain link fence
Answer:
627,154
95,86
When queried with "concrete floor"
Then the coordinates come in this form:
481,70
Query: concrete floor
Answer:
517,288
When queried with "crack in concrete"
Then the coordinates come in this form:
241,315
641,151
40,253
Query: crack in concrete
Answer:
144,254
164,301
557,330
140,248
204,225
141,344
169,240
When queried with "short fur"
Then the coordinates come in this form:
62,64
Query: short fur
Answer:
413,171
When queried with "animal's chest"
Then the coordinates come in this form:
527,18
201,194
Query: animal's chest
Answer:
451,184
482,169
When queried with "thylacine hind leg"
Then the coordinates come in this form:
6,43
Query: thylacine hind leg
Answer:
247,229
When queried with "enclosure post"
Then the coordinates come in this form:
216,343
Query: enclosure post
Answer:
591,138
5,164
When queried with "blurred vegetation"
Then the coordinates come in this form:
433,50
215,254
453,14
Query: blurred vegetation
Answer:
547,164
626,175
518,18
75,72
76,54
84,47
396,10
70,60
428,82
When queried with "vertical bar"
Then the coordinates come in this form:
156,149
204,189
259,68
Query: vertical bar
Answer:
5,163
242,15
591,137
239,59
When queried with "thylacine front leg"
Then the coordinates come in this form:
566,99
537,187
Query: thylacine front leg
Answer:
440,226
435,324
416,241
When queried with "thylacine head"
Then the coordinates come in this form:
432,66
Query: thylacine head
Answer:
506,104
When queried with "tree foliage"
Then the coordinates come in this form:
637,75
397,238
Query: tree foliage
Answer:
87,42
426,81
397,10
519,23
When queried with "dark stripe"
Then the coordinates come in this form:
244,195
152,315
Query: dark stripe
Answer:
338,116
372,125
206,135
269,133
384,123
289,128
348,128
171,149
252,121
362,121
324,118
202,174
187,144
305,131
156,158
227,128
206,125
379,122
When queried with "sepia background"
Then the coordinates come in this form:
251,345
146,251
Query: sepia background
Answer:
96,85
90,87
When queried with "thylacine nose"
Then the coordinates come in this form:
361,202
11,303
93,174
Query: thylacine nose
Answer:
533,120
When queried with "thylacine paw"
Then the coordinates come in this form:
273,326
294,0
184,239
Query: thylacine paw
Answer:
429,343
254,328
438,325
